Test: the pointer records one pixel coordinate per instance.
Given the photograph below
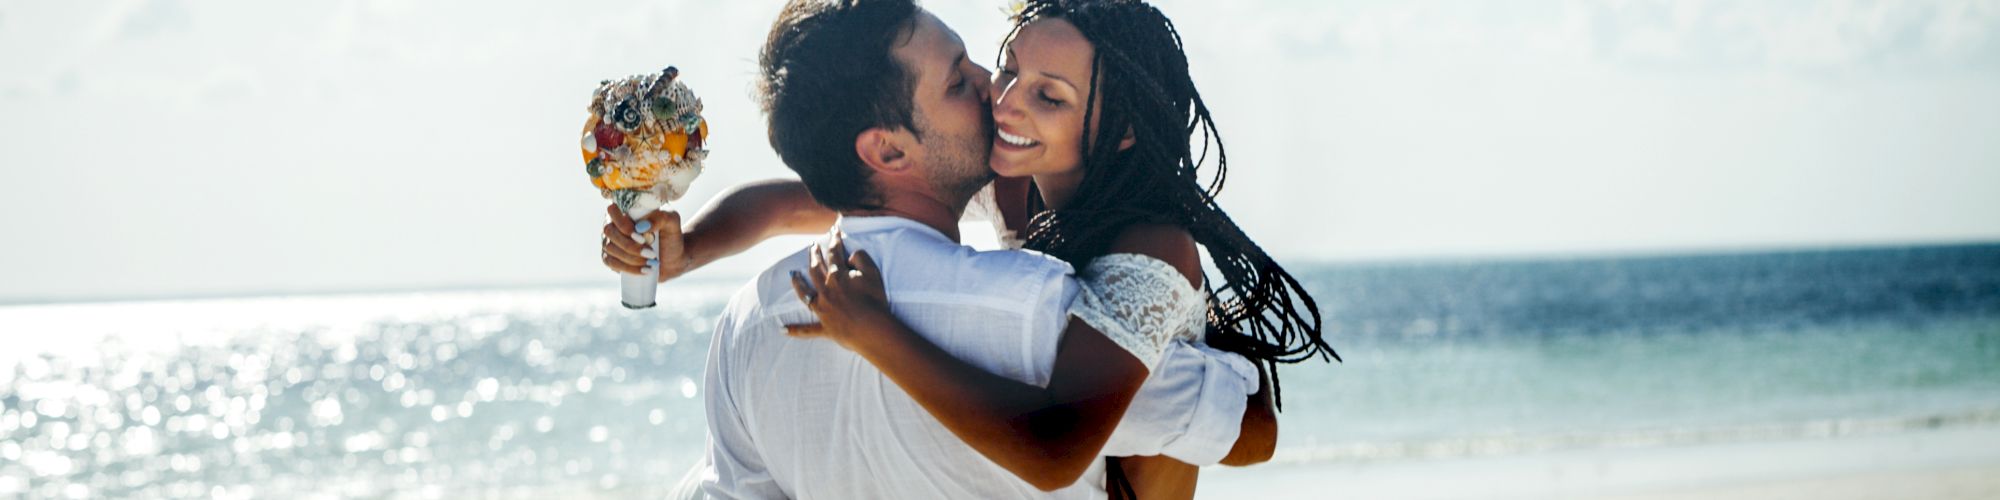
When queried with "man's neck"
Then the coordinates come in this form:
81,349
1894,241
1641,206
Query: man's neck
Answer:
925,210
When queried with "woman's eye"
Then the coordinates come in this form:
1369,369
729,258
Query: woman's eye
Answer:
1050,100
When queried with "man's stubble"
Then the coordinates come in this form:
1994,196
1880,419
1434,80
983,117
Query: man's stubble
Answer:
959,168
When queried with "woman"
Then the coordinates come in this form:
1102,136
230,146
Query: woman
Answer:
1094,110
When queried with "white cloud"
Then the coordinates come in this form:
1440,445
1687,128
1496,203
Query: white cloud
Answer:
228,84
151,19
1699,35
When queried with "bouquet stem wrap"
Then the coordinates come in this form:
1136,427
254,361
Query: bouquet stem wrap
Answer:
638,291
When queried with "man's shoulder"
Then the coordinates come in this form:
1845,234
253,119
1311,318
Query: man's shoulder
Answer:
929,263
911,263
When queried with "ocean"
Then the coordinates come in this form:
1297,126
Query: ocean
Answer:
561,392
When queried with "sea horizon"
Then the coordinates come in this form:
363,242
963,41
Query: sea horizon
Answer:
738,271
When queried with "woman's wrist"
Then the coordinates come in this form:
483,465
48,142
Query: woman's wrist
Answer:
701,247
875,330
694,251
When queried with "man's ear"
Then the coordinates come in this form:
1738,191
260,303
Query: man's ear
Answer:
1128,141
884,150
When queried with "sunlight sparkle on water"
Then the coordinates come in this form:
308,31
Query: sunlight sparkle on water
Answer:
406,396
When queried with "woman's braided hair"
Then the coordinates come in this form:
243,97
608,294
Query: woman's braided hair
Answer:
1259,310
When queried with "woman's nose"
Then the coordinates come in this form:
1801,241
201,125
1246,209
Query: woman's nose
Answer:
1003,104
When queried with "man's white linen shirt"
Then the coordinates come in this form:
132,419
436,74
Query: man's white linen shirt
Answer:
806,418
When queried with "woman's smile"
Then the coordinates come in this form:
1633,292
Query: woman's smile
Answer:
1003,139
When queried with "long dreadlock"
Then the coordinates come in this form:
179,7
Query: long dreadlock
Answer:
1259,310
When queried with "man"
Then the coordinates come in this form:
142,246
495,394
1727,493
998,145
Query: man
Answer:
875,106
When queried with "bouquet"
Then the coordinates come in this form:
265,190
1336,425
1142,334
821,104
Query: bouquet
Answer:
642,146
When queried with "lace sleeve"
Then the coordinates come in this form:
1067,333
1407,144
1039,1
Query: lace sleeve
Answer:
1139,302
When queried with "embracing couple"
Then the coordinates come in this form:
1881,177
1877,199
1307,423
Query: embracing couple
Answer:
889,361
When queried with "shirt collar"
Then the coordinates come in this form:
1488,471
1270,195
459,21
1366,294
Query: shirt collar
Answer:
876,223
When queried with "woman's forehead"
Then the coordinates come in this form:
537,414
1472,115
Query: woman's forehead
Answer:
1054,44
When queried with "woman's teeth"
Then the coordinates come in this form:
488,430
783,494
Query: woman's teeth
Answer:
1015,139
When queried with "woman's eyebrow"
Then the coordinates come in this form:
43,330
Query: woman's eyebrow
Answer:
1053,76
1058,78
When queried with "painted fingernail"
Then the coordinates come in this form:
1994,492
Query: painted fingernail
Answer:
652,263
638,238
643,226
649,253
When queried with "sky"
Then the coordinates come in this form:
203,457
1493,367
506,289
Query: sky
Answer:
154,148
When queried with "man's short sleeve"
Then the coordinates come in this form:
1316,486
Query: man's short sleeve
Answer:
1056,286
1190,407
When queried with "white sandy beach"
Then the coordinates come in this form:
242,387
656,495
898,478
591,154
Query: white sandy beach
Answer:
1959,463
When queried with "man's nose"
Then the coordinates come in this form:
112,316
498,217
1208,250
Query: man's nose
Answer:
984,79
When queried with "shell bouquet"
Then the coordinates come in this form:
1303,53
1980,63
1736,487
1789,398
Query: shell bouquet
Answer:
643,146
643,143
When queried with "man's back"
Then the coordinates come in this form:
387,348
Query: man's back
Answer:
808,419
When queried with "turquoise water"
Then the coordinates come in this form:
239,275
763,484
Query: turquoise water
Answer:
1517,394
536,393
1501,357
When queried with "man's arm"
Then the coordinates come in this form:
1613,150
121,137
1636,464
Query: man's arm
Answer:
1202,406
1167,476
1259,437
